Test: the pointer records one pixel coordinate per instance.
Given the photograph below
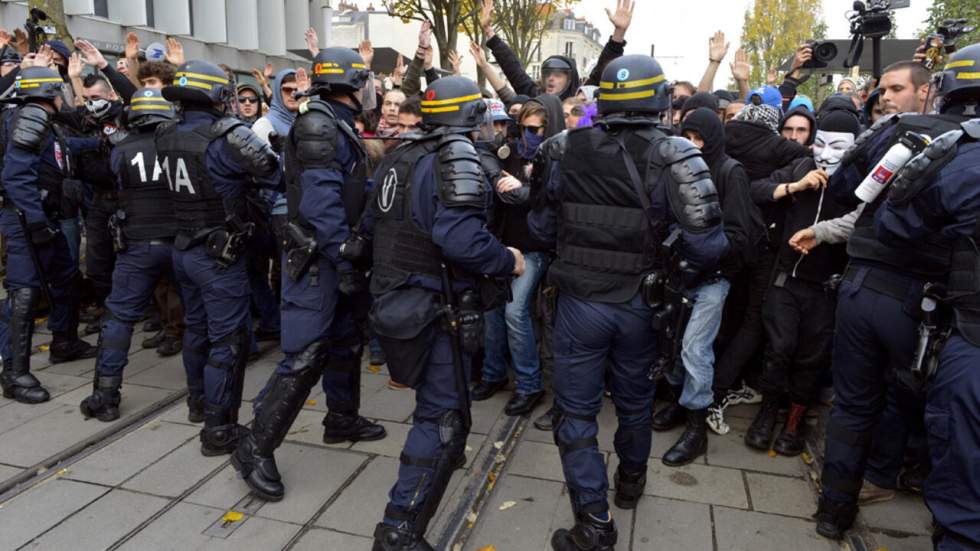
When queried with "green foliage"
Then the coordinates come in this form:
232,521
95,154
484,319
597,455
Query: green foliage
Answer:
774,29
954,9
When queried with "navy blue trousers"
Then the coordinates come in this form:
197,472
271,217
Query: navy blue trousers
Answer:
587,335
138,270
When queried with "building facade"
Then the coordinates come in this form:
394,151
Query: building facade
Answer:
570,36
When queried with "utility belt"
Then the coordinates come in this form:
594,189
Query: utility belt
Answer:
880,281
53,214
225,245
301,253
672,306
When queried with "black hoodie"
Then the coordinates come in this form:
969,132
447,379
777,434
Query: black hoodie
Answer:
743,223
760,150
508,221
522,83
801,111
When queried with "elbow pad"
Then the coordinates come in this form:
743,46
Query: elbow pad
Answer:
255,155
460,174
691,193
31,128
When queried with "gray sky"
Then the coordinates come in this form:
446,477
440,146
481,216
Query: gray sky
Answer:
681,29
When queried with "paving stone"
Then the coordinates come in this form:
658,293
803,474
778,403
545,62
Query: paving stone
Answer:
378,401
750,531
730,451
256,376
906,513
909,543
133,453
32,513
58,384
391,445
13,414
695,482
319,540
485,413
182,528
176,472
361,505
311,475
521,526
781,495
177,413
100,524
742,410
7,472
308,428
669,524
169,374
537,460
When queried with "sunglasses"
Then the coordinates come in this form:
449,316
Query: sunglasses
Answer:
288,90
247,99
533,129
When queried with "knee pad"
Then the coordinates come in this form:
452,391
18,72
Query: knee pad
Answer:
196,341
567,445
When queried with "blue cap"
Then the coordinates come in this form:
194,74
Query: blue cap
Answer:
497,110
768,95
798,101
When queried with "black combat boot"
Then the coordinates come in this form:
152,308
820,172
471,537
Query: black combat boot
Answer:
103,404
834,517
792,439
220,434
195,408
763,426
629,487
588,534
350,427
391,538
16,379
259,471
693,443
65,345
672,415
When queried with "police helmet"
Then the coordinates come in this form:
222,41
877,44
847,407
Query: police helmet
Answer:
201,83
453,101
633,83
339,70
149,108
38,82
960,78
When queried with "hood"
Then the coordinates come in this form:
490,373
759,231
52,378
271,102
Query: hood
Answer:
701,99
280,117
556,115
706,123
573,81
760,150
838,102
801,111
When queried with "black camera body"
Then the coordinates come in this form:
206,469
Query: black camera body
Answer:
824,52
874,19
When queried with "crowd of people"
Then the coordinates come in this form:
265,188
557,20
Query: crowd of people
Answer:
620,234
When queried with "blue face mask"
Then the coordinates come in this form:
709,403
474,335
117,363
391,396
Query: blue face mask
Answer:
528,146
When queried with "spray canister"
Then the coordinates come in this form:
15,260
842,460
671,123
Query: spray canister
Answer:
908,146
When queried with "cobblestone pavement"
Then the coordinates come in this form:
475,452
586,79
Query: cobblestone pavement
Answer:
141,483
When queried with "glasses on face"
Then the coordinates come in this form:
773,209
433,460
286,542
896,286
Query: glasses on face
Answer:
534,129
289,90
247,99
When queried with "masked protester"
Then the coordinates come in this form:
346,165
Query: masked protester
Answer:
798,316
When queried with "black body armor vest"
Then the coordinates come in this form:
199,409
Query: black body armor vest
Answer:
182,153
144,197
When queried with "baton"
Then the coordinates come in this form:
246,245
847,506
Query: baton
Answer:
35,258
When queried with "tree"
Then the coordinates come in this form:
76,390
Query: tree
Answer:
522,22
55,9
954,9
447,17
773,29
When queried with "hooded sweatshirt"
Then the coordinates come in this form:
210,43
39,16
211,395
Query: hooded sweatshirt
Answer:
759,148
801,111
743,223
508,221
279,119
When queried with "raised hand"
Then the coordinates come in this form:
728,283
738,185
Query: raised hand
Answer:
90,54
44,57
803,54
175,52
5,38
75,65
21,44
302,80
717,47
367,53
425,35
478,55
771,76
621,18
740,67
457,62
312,41
399,73
132,46
486,18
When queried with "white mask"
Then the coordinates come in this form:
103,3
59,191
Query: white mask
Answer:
829,148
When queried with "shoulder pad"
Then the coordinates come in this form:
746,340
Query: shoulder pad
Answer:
691,193
553,148
861,142
921,169
459,173
490,163
255,155
315,137
32,126
353,138
972,128
224,125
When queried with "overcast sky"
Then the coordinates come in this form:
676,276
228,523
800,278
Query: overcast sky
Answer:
681,29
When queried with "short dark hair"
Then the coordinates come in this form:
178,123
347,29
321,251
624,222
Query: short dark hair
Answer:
917,71
159,69
369,119
412,105
95,80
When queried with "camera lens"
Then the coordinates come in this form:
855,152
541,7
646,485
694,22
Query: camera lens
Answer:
825,52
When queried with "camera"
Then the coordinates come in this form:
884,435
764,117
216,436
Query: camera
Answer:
37,33
824,52
944,40
874,19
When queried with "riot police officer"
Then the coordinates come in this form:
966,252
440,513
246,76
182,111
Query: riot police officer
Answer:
608,215
37,159
432,252
142,233
937,193
208,158
877,309
326,179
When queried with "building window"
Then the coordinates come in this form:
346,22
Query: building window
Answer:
568,24
102,8
149,14
570,50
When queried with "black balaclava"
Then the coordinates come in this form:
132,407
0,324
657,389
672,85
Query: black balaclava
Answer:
706,123
701,99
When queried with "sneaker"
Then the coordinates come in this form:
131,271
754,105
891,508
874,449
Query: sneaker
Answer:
716,418
395,385
744,395
872,493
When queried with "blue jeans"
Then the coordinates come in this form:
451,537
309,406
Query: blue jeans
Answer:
510,326
697,368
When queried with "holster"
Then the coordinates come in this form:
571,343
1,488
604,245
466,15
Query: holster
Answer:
472,330
115,231
933,332
670,319
301,251
226,245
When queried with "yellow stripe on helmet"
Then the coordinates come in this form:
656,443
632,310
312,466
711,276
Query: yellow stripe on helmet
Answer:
150,108
201,76
968,76
607,96
451,101
960,63
148,99
201,85
39,80
449,109
632,83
